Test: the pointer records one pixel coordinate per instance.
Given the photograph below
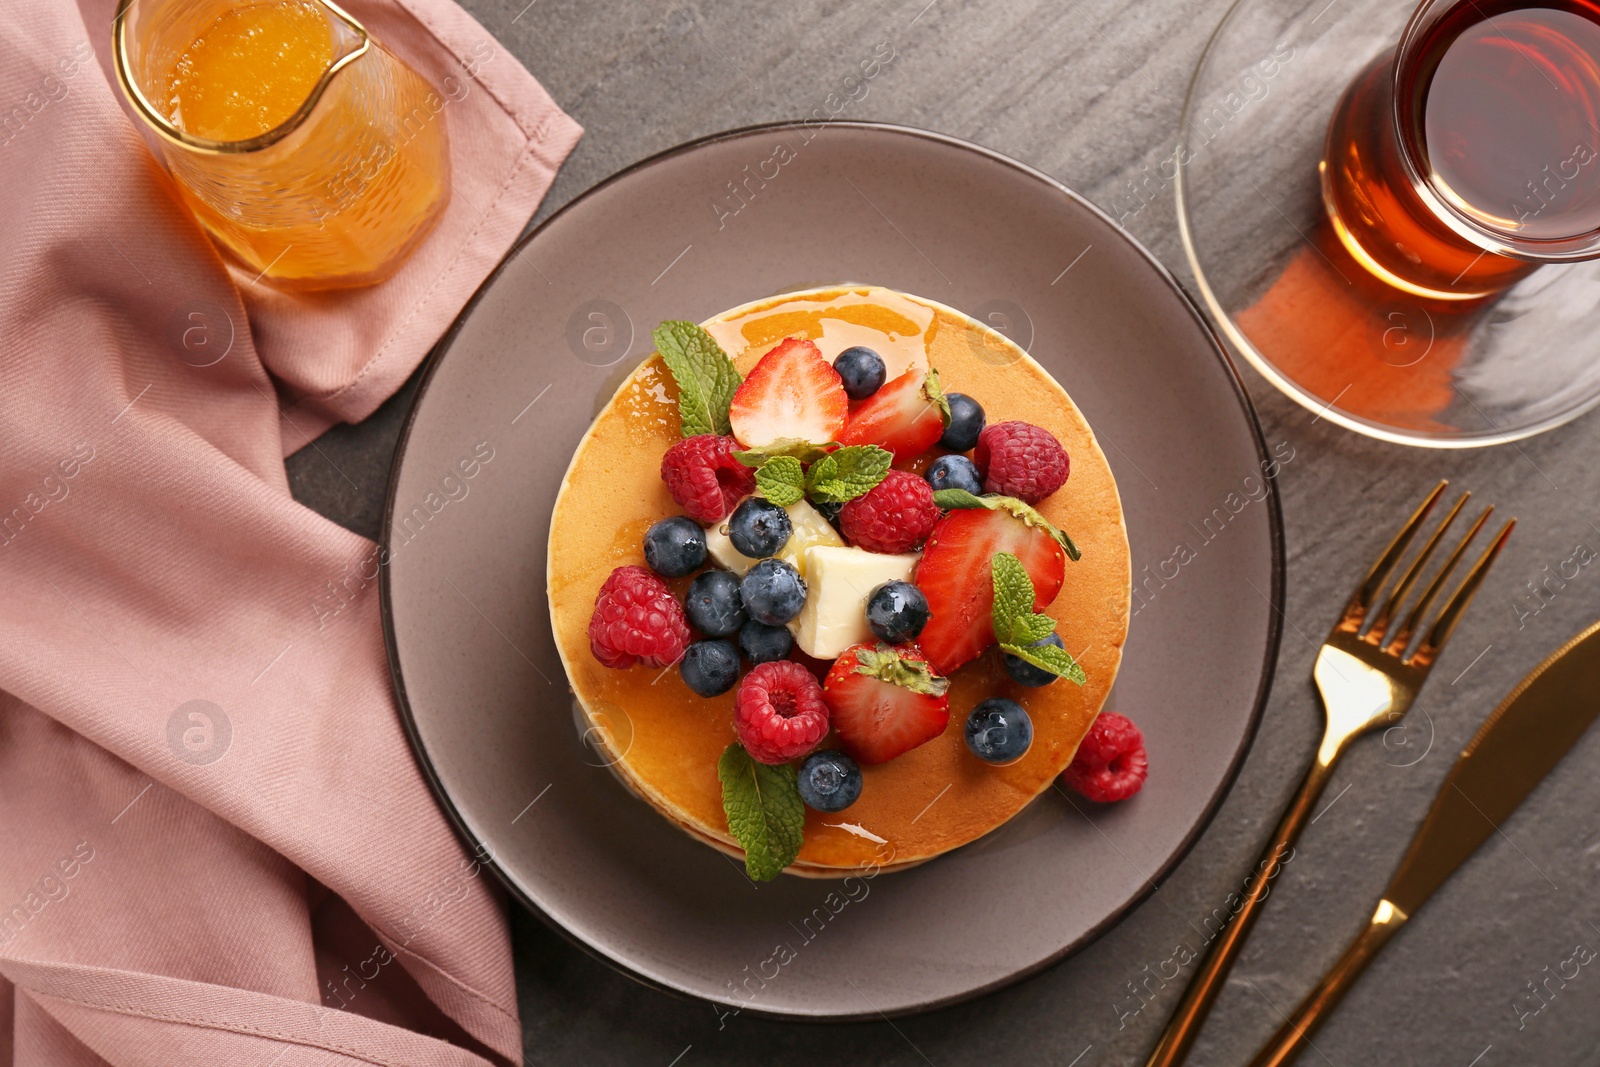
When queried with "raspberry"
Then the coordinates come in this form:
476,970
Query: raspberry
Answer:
895,516
1111,762
637,620
778,712
704,477
1022,460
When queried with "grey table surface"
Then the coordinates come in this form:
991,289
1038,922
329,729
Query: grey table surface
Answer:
1089,92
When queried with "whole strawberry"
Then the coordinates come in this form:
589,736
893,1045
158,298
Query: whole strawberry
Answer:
894,516
1111,763
886,701
637,620
704,477
778,712
1022,460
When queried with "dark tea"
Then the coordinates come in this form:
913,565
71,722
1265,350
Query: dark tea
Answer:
1459,162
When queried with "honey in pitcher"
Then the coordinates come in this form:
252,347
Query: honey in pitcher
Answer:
343,195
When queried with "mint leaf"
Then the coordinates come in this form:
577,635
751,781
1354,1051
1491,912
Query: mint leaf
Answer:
1013,596
1031,629
935,394
1050,658
781,480
799,448
887,665
848,473
1018,628
765,813
960,499
705,375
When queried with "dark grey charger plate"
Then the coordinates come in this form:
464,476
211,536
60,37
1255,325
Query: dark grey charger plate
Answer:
708,226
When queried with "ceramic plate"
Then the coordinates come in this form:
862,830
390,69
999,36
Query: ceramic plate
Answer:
709,226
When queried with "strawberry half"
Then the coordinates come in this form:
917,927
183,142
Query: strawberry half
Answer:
885,701
954,575
791,394
907,416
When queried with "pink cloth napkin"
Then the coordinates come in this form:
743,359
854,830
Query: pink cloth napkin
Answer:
218,848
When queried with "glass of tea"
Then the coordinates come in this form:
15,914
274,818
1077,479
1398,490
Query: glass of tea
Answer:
1469,154
313,155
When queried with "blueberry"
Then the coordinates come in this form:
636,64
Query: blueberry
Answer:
862,370
897,612
999,731
828,510
966,423
710,667
713,604
761,643
758,527
674,547
829,781
1024,673
773,592
954,472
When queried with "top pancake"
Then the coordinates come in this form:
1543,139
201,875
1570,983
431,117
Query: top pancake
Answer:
665,739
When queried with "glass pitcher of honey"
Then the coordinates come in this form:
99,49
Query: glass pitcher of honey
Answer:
314,156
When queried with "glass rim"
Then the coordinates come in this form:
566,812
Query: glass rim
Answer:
165,128
1585,245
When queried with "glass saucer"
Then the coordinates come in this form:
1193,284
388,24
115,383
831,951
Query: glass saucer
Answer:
1289,297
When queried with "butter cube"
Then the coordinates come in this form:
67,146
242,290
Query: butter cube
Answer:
810,528
840,578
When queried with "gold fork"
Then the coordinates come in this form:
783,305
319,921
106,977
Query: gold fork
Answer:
1367,680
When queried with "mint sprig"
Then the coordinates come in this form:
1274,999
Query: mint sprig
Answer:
781,480
1018,628
959,499
765,813
705,375
847,473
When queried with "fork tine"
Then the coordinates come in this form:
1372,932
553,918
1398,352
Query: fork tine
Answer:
1445,625
1381,623
1380,571
1402,637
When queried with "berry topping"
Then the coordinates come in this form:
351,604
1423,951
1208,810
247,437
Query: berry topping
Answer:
1024,673
954,472
761,643
713,604
1111,763
773,592
779,713
636,620
953,572
999,731
829,781
1022,460
966,423
710,667
674,547
862,371
704,477
885,701
897,612
759,527
894,516
907,416
791,394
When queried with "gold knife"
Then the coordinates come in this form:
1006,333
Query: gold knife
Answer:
1516,747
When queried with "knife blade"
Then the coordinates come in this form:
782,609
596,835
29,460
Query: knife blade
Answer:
1513,751
1517,746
